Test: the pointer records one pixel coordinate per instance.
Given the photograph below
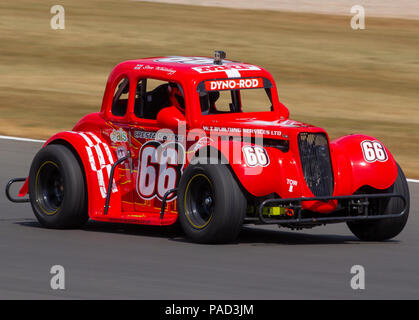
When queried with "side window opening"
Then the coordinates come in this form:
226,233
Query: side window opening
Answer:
139,100
120,98
154,95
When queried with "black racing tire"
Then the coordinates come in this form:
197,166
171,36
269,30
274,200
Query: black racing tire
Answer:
57,188
211,205
385,229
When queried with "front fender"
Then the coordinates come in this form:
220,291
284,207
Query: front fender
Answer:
354,169
280,175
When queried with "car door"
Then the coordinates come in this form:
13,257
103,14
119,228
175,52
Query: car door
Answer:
157,154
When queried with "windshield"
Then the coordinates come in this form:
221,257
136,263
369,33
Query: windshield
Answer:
235,95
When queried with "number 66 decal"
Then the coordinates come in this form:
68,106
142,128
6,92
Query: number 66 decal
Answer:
159,169
373,151
255,156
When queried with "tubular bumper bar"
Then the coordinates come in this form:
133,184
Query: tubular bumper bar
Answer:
163,203
295,204
9,184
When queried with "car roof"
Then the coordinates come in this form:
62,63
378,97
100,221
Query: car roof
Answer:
198,68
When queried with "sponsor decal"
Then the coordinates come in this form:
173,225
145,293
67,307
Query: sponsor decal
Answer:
292,124
233,84
166,70
232,69
160,136
292,184
121,152
119,136
229,67
242,130
222,129
188,60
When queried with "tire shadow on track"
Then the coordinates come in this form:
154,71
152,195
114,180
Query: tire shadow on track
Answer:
281,237
253,236
116,228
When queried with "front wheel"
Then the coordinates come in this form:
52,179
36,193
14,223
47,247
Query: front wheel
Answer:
57,189
211,205
385,229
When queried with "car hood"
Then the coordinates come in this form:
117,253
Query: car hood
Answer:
264,123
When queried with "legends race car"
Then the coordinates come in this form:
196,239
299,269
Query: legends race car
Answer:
205,142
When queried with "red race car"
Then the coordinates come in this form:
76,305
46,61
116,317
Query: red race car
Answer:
206,142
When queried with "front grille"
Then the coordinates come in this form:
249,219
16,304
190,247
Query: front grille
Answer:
315,162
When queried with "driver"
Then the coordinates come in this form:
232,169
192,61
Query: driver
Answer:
176,96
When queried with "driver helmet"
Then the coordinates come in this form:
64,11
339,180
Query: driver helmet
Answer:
176,96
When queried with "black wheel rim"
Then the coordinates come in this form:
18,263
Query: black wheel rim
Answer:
49,188
199,201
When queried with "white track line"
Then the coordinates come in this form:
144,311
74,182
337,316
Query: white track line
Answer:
21,139
43,141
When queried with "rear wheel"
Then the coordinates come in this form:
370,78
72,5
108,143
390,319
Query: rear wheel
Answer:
211,204
57,189
380,230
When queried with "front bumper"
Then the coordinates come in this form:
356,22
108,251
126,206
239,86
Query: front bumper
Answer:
350,208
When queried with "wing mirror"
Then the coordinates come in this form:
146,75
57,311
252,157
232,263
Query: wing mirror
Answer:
171,118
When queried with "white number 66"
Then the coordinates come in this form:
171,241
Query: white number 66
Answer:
373,151
255,156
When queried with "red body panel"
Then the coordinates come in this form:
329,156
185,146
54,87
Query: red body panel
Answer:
100,138
351,169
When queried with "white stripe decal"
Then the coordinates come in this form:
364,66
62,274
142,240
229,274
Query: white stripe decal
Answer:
109,153
103,165
100,156
233,73
94,137
105,146
91,159
101,182
86,138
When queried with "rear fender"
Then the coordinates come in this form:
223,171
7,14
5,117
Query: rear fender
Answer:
96,158
361,160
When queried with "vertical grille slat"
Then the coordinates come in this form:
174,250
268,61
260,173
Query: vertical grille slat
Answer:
316,163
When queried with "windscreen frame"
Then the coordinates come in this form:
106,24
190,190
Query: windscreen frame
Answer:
202,91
